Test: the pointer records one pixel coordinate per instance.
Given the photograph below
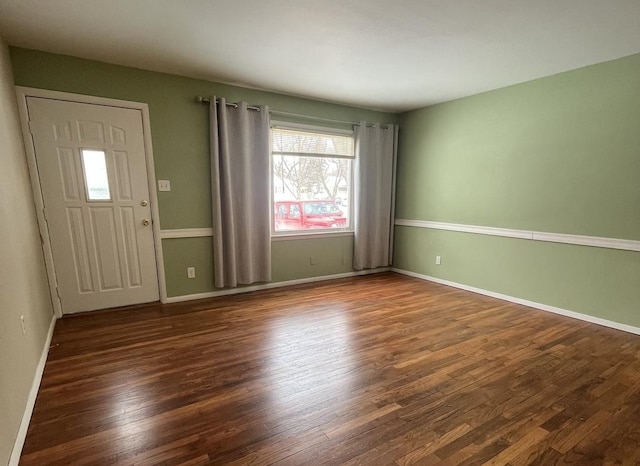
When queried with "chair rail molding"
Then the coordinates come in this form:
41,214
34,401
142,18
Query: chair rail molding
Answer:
186,233
580,240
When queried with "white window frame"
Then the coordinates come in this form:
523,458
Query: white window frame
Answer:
316,232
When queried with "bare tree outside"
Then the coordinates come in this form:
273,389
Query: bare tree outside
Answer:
311,177
314,176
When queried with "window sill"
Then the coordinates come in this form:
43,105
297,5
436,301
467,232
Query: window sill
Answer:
324,234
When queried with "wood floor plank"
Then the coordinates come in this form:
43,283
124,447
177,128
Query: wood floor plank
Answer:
419,454
382,369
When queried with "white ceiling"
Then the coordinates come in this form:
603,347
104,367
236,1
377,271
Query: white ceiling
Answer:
389,55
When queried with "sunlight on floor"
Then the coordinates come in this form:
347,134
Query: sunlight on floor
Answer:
310,358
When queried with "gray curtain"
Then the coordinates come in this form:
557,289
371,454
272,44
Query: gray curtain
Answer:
375,149
240,192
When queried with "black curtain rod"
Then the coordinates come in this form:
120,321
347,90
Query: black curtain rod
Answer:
206,100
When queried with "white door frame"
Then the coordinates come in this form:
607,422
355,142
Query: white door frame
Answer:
22,94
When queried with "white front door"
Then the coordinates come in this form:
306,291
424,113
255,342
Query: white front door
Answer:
92,170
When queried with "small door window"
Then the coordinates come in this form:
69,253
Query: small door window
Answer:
96,178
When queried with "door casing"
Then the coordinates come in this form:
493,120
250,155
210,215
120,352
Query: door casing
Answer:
22,94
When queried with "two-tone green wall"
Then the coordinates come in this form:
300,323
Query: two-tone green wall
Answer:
559,154
180,136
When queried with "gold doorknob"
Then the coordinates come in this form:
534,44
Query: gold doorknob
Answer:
146,222
144,203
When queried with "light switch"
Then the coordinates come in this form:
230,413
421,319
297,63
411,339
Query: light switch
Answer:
164,185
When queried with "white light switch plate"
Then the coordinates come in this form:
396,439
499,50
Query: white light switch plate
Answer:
164,185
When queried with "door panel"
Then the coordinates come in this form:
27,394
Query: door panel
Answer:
80,250
104,233
121,160
92,170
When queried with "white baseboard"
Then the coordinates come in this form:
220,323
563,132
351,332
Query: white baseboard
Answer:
267,286
31,401
525,302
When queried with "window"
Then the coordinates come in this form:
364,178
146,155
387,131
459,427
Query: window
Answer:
95,175
311,178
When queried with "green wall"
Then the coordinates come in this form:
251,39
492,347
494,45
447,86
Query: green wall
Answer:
179,129
24,289
292,259
559,154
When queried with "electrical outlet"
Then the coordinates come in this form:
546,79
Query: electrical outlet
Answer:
23,325
191,272
312,260
438,260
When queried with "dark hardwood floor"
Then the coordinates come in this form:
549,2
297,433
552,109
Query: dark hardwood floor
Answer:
382,369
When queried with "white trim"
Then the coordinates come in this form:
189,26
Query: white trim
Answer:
324,234
278,124
594,241
31,400
153,198
186,233
525,302
267,286
22,93
581,240
81,98
492,231
208,232
317,155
